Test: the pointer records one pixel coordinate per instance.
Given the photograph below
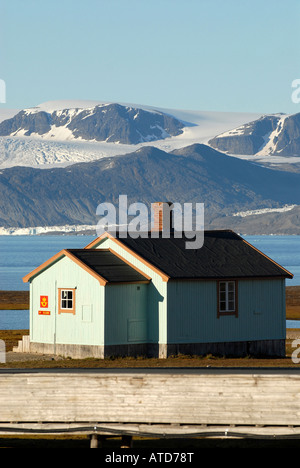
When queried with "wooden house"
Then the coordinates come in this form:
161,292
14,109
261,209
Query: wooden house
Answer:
151,296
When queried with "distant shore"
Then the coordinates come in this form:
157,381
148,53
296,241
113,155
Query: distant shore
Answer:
292,301
14,300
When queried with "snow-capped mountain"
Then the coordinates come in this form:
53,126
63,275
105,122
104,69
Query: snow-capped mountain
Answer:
110,122
60,133
277,134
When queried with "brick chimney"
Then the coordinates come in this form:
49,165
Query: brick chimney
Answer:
162,216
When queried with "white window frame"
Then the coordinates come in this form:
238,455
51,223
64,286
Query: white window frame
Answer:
227,296
61,308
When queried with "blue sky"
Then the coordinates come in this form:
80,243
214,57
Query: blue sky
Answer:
223,55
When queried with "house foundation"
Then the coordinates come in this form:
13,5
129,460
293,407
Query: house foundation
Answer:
259,348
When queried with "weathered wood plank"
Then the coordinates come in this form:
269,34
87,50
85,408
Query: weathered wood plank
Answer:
151,398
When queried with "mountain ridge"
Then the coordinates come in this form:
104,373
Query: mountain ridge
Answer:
60,180
110,123
226,185
277,134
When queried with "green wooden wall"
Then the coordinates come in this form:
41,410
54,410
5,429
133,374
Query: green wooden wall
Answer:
156,295
192,312
126,314
86,326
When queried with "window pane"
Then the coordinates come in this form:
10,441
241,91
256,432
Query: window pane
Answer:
223,296
227,296
231,296
66,299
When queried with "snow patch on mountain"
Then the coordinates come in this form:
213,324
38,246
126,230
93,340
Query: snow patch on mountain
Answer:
283,209
269,146
38,230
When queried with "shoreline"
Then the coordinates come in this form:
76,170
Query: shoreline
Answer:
14,300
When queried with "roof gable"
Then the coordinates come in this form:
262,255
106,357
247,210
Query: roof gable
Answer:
104,265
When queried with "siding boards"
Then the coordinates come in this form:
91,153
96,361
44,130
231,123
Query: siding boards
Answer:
190,308
192,312
261,309
85,327
125,313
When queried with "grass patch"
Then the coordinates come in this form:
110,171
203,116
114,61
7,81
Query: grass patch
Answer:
14,300
18,306
293,312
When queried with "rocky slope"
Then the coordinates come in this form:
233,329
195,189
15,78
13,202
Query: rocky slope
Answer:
269,135
198,174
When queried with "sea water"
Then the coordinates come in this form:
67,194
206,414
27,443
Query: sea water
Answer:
19,255
284,250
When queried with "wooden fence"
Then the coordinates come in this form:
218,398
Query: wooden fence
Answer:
168,403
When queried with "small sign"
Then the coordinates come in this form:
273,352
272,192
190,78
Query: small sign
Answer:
44,301
44,312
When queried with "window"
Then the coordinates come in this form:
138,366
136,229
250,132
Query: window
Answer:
227,298
66,301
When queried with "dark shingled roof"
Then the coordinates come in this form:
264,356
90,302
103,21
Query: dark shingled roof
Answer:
224,255
108,265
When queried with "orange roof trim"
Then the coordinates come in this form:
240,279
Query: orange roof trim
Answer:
43,266
271,260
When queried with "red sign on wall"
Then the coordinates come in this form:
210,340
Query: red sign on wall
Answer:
44,312
44,301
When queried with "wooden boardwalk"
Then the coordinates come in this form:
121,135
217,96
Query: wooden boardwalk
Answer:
162,403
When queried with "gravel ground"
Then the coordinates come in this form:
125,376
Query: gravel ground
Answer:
292,334
11,356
